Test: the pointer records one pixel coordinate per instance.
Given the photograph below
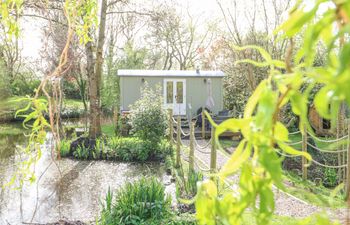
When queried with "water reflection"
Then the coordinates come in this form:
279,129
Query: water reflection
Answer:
69,189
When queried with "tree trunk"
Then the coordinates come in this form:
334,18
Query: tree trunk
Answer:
94,124
95,76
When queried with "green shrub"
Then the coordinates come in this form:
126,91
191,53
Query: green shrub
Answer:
22,87
129,149
164,148
331,177
121,148
141,202
147,117
71,90
64,148
81,153
123,126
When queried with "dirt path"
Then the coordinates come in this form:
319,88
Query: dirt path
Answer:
286,204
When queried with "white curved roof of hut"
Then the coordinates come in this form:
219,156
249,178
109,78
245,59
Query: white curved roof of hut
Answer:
170,73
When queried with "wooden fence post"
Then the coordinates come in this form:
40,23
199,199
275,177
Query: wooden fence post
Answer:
171,126
344,146
304,149
347,185
178,142
342,172
213,152
203,124
191,156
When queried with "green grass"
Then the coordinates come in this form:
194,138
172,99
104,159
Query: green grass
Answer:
9,106
11,129
73,104
227,143
108,130
312,193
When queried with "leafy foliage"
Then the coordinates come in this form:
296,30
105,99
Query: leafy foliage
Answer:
4,81
21,87
85,11
141,202
81,153
38,124
76,12
331,177
129,149
64,148
119,148
8,19
263,134
71,90
147,117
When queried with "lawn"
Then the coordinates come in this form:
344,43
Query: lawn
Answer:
11,129
108,130
8,107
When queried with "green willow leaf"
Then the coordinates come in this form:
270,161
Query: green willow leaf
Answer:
297,20
241,154
289,150
254,99
281,132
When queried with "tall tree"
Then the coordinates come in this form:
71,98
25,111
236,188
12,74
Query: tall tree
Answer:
177,38
95,74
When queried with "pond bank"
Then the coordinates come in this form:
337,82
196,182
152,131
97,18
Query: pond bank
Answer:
71,108
70,190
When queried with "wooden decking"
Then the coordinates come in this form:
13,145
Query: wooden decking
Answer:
207,133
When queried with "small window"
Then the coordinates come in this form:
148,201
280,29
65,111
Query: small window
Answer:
169,92
179,92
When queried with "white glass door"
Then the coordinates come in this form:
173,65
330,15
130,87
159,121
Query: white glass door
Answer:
175,95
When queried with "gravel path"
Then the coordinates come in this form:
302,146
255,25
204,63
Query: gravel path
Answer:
286,204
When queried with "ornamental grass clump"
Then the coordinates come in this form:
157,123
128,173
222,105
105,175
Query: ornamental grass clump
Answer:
141,202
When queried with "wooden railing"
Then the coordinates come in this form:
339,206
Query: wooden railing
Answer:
343,166
192,142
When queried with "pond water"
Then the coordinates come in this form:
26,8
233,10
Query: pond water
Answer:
65,189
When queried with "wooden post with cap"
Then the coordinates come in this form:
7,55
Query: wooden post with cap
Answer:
171,126
213,151
178,142
203,124
191,155
347,186
304,149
